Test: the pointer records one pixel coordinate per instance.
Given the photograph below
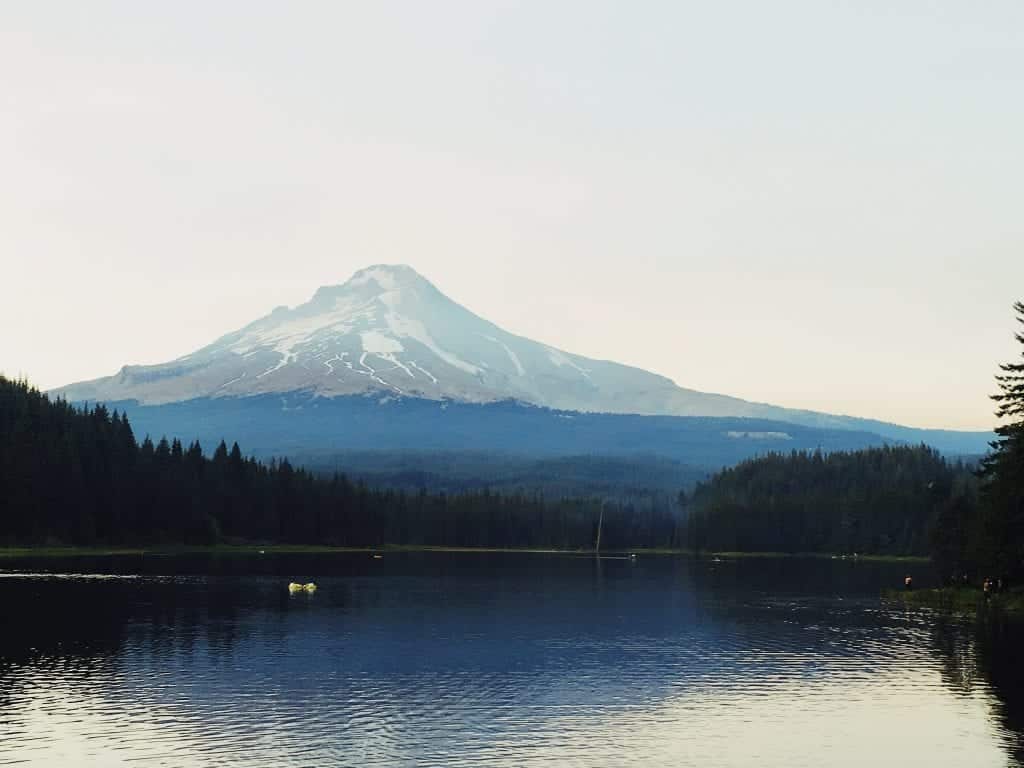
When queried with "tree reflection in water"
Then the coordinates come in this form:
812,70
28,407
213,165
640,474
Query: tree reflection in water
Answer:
984,653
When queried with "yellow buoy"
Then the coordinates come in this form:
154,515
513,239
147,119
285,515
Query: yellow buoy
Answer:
293,587
311,587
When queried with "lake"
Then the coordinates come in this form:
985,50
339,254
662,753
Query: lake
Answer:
458,659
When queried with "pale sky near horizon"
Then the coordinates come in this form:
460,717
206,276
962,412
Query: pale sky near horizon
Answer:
816,205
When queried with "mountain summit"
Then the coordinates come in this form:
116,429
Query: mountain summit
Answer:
388,332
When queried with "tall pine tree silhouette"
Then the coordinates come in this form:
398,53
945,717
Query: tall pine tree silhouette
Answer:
1001,540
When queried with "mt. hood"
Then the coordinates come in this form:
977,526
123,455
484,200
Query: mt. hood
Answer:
389,333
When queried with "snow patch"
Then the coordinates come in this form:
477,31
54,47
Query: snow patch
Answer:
336,359
372,373
284,334
382,276
286,357
385,347
414,329
511,355
227,384
560,359
376,343
423,370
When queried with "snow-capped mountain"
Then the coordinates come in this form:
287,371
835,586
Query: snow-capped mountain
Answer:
389,333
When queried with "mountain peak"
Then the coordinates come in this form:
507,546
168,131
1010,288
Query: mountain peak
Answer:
388,331
375,280
385,331
386,275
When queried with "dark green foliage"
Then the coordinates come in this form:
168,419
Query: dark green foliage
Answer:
996,539
77,476
882,500
949,537
879,501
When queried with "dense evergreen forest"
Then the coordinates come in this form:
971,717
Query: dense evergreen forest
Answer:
878,501
78,476
893,500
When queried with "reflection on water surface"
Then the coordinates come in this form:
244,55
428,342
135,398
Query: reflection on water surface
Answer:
470,659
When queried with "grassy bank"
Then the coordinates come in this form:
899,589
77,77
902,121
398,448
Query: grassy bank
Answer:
960,599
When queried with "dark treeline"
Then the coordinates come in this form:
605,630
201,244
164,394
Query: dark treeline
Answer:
895,500
877,501
78,476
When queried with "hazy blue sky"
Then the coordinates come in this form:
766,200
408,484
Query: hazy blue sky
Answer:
814,204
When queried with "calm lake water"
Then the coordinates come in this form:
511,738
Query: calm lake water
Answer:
494,659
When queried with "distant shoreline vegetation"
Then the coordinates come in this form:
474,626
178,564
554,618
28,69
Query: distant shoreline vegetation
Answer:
963,600
256,550
77,476
878,501
71,476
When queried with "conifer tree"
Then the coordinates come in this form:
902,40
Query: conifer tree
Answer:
1000,540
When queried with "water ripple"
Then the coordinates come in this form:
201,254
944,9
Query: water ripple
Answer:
432,662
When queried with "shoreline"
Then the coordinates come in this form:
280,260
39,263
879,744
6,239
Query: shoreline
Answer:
959,600
320,549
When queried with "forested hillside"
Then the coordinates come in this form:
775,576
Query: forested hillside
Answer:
71,475
643,481
877,501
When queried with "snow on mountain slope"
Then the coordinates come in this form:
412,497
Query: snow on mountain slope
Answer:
388,332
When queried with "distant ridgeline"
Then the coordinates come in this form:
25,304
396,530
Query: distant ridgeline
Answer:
78,476
641,480
301,423
877,501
